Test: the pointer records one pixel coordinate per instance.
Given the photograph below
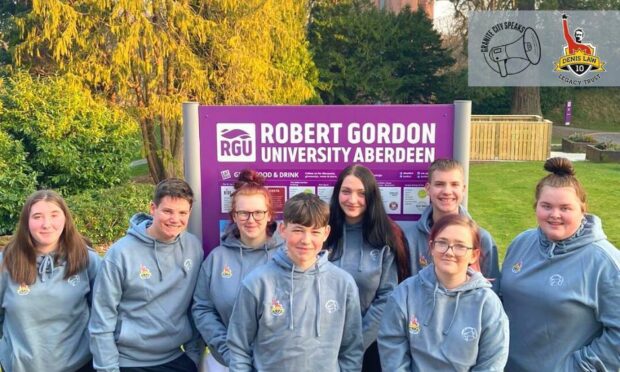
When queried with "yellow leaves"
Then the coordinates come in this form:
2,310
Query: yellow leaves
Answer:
155,54
262,52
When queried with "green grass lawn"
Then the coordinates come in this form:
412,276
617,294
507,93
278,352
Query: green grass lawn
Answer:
501,197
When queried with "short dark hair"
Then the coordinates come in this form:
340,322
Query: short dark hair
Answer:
174,188
306,209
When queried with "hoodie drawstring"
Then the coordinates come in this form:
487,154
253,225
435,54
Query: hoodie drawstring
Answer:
46,267
318,304
317,283
432,310
551,249
290,297
456,309
161,275
241,261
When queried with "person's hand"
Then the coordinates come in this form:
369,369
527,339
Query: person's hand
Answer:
564,16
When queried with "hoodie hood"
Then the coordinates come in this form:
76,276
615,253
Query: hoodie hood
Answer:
427,218
230,241
589,231
434,289
138,225
137,229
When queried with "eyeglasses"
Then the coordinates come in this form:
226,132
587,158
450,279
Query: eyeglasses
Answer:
245,215
458,249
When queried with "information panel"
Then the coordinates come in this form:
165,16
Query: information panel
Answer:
304,148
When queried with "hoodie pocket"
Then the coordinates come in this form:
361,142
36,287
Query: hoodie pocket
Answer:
121,334
460,347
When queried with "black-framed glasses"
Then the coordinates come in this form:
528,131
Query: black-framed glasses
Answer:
458,249
245,215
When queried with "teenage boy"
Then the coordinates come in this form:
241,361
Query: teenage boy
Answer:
140,314
299,312
445,189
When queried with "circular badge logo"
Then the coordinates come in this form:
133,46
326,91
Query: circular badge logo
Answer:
332,306
187,264
469,334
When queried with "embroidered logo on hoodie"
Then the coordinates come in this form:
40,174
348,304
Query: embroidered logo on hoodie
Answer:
187,264
23,290
423,261
469,334
145,273
517,267
414,325
276,307
226,272
73,280
332,306
556,280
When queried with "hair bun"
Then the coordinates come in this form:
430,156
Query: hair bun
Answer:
249,176
559,166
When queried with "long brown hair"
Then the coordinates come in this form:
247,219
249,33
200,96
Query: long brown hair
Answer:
378,229
20,254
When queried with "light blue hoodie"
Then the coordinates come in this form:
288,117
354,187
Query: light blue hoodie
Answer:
374,271
426,327
218,284
291,320
420,256
563,301
141,308
44,326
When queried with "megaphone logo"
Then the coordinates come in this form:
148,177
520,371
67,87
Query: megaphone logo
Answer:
514,57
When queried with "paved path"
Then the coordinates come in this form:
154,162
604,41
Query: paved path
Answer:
568,155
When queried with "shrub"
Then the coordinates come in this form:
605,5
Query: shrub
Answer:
580,137
17,181
609,146
103,215
72,141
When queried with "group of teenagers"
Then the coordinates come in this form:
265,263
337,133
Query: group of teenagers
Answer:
333,287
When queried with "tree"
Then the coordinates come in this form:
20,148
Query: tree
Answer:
525,100
150,56
367,55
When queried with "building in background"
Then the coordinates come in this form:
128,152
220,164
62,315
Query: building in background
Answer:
396,5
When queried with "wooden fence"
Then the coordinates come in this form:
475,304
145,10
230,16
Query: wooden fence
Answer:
510,137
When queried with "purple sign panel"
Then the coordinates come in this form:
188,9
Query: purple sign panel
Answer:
303,148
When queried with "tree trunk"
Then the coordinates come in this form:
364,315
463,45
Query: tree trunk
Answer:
151,153
525,101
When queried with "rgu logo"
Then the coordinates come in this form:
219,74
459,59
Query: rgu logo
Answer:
236,142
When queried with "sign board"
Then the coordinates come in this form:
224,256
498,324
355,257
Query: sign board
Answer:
304,148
